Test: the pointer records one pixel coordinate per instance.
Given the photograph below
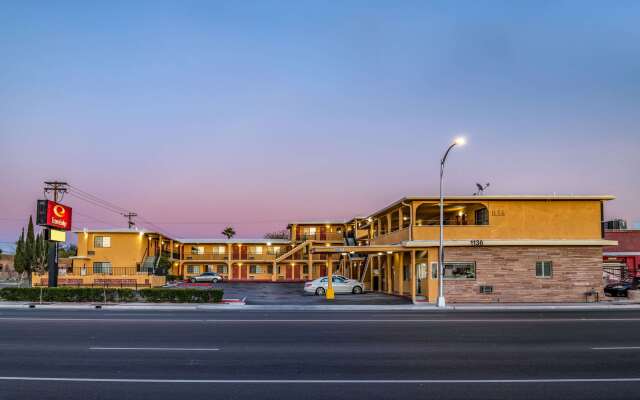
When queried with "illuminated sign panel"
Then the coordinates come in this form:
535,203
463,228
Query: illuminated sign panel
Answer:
54,215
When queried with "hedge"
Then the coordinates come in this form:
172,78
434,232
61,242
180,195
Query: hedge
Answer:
158,295
113,295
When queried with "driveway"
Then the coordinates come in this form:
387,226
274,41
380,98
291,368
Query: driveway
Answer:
293,293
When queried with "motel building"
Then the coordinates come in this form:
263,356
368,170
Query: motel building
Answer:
497,249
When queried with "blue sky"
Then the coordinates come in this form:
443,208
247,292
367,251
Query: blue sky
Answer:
256,113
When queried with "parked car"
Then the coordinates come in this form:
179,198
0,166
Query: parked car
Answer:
207,277
340,285
618,289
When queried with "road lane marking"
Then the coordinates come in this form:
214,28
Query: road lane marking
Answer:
324,381
346,321
154,348
617,348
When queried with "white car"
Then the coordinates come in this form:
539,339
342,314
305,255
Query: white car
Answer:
340,285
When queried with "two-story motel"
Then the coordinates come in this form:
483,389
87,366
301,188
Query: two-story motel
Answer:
497,249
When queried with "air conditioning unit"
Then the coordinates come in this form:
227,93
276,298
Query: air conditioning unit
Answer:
484,289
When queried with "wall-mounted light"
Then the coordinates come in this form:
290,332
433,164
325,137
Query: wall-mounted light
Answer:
389,252
268,243
380,253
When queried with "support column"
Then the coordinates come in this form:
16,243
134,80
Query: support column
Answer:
330,292
274,272
400,273
229,262
390,275
310,262
413,276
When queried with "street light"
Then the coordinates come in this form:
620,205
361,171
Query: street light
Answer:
441,302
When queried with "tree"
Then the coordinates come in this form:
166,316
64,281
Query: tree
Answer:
67,251
164,264
18,259
229,232
283,234
30,247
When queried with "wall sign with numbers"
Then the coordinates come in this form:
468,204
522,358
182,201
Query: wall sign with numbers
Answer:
477,243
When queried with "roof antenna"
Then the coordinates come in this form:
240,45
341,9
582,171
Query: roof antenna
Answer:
481,189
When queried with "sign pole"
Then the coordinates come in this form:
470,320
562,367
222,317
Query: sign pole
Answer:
52,256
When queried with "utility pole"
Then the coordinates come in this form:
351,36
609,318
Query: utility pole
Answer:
59,189
130,216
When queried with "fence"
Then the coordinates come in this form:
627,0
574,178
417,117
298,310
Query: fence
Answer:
102,276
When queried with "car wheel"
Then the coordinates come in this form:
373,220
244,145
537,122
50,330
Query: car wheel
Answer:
320,291
215,280
357,290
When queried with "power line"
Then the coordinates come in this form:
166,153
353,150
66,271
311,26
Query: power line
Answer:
98,199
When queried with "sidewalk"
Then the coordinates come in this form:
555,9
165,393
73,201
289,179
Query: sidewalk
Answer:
239,305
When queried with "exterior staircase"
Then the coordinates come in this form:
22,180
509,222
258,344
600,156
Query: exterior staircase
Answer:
148,264
293,251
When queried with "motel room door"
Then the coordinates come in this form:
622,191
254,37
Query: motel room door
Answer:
296,272
422,280
235,271
289,273
243,271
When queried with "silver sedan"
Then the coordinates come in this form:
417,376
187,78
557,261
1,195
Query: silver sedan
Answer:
341,285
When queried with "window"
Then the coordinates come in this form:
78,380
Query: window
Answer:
193,269
258,250
270,269
305,269
274,250
222,269
482,216
460,270
406,273
102,268
543,269
208,268
102,241
220,249
197,249
255,269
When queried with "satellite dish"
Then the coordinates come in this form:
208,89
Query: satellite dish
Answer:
481,189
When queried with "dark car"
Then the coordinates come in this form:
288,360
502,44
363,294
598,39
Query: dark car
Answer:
618,289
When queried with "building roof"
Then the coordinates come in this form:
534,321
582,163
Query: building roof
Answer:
232,241
508,197
320,222
113,230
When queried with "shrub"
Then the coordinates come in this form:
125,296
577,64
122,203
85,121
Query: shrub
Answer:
68,294
113,295
160,295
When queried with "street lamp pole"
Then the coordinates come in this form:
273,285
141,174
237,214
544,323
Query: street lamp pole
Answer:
441,301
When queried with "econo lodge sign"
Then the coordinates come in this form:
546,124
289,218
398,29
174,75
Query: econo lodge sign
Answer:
54,215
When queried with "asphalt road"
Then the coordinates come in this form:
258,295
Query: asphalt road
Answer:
319,355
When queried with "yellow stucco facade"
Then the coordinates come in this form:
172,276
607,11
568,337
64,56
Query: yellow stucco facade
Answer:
393,250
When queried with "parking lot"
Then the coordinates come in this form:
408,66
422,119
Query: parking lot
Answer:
293,293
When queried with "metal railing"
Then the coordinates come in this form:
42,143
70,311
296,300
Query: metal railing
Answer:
333,236
206,256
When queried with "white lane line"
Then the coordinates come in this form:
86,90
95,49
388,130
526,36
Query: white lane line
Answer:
617,348
345,321
154,348
323,381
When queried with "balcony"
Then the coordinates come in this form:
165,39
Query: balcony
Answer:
326,236
206,256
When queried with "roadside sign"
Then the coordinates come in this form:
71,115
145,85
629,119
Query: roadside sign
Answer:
54,215
55,235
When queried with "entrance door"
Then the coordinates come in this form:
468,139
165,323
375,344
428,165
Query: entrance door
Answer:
289,274
243,271
422,287
323,270
235,272
296,272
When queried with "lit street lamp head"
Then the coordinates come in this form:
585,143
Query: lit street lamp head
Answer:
460,141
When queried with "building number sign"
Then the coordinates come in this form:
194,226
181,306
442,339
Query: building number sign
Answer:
477,243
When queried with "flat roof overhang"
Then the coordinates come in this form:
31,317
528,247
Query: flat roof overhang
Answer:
416,244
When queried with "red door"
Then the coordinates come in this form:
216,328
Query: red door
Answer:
296,272
289,273
323,233
323,270
297,233
243,271
235,272
243,253
236,252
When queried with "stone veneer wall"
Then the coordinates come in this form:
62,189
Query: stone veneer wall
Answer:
511,270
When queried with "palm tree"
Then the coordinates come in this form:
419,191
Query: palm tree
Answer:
229,232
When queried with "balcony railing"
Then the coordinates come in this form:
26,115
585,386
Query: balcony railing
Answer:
447,221
206,256
332,236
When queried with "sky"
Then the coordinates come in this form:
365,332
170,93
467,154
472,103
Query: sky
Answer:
199,114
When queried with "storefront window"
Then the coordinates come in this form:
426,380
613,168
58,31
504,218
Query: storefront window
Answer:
460,270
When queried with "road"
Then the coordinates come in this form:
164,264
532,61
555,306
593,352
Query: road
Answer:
318,355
